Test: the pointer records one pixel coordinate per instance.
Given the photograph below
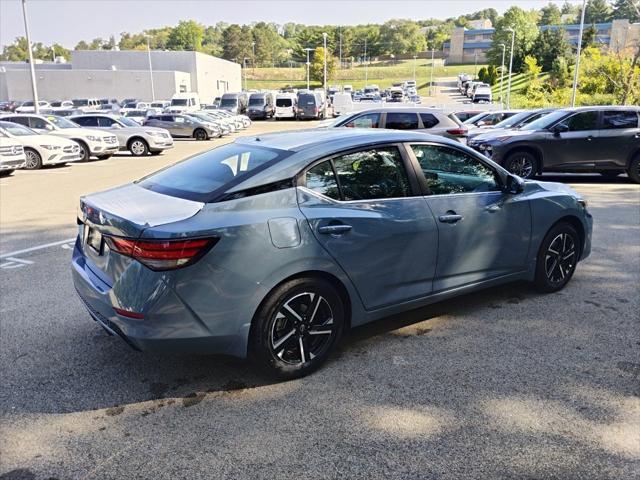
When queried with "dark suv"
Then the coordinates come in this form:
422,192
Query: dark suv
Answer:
585,139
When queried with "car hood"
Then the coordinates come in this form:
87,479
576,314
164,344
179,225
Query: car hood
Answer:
511,134
551,187
46,139
81,132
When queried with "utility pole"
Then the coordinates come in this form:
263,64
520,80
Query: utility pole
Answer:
366,73
433,52
32,68
308,64
504,47
153,92
324,74
577,67
253,60
340,49
244,70
513,42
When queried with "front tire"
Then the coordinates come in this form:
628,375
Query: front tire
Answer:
523,164
634,169
138,147
296,327
34,160
557,258
84,151
200,134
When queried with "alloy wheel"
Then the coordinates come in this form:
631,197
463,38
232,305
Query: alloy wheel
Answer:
33,160
138,148
521,166
560,258
303,328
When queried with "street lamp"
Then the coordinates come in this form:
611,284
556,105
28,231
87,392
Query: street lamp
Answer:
324,48
513,41
577,68
153,92
32,68
308,64
244,68
504,47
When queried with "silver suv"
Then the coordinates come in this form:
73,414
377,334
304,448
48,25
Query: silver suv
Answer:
419,119
184,126
131,135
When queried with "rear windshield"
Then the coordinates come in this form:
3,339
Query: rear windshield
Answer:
306,100
284,102
203,177
179,102
80,102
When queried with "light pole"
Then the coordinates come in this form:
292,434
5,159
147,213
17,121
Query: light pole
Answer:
475,63
433,52
324,74
366,73
513,41
577,67
153,92
244,68
253,60
504,47
308,64
32,68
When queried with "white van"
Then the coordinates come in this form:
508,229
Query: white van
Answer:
286,104
342,104
184,102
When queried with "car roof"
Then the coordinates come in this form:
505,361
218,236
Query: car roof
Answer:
601,107
399,109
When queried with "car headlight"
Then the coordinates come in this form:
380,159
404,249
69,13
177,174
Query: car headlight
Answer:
583,203
154,134
93,138
51,147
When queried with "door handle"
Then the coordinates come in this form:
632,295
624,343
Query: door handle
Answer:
334,229
450,218
493,208
589,138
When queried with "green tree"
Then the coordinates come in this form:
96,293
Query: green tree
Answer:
597,11
316,69
626,9
549,45
492,75
569,9
526,28
402,36
589,36
550,15
187,35
269,45
560,72
236,43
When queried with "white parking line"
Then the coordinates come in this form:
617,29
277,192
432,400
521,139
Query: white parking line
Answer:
33,249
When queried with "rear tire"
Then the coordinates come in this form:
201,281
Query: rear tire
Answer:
634,169
34,160
84,151
200,134
557,258
138,147
296,328
523,164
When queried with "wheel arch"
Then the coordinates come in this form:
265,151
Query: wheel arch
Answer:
136,137
576,223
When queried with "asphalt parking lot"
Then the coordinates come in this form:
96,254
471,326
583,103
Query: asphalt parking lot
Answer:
504,383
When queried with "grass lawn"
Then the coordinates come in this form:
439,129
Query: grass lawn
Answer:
383,74
519,83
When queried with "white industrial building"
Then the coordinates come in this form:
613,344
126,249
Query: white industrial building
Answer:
122,74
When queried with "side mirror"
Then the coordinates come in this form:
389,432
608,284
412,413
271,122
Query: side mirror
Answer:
560,128
514,185
481,123
116,126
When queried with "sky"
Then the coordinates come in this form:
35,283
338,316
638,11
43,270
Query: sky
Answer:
69,21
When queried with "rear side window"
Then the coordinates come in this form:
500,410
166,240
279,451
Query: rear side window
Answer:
321,179
372,174
21,120
105,121
402,121
614,119
86,121
582,121
429,120
204,176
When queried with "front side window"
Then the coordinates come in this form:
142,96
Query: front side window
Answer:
402,121
86,121
582,121
614,119
372,174
61,122
105,121
369,120
448,171
40,124
321,179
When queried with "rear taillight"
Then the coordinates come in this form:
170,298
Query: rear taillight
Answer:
458,132
162,254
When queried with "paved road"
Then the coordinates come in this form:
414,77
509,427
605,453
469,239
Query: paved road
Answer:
505,383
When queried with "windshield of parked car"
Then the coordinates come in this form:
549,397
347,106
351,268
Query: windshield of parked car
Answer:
27,104
306,99
62,122
17,129
179,102
81,102
229,102
514,120
204,176
545,121
127,122
257,101
476,118
284,102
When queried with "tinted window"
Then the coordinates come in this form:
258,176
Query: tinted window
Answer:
620,119
428,120
105,121
306,100
451,171
369,120
86,121
21,120
199,177
284,102
166,118
257,101
582,121
39,123
402,121
321,179
372,174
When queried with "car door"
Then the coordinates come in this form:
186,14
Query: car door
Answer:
572,143
182,126
619,137
366,210
483,233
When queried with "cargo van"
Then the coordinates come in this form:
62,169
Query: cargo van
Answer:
184,102
311,105
261,105
286,105
235,103
342,104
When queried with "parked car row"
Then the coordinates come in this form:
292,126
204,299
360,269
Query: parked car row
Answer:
478,92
